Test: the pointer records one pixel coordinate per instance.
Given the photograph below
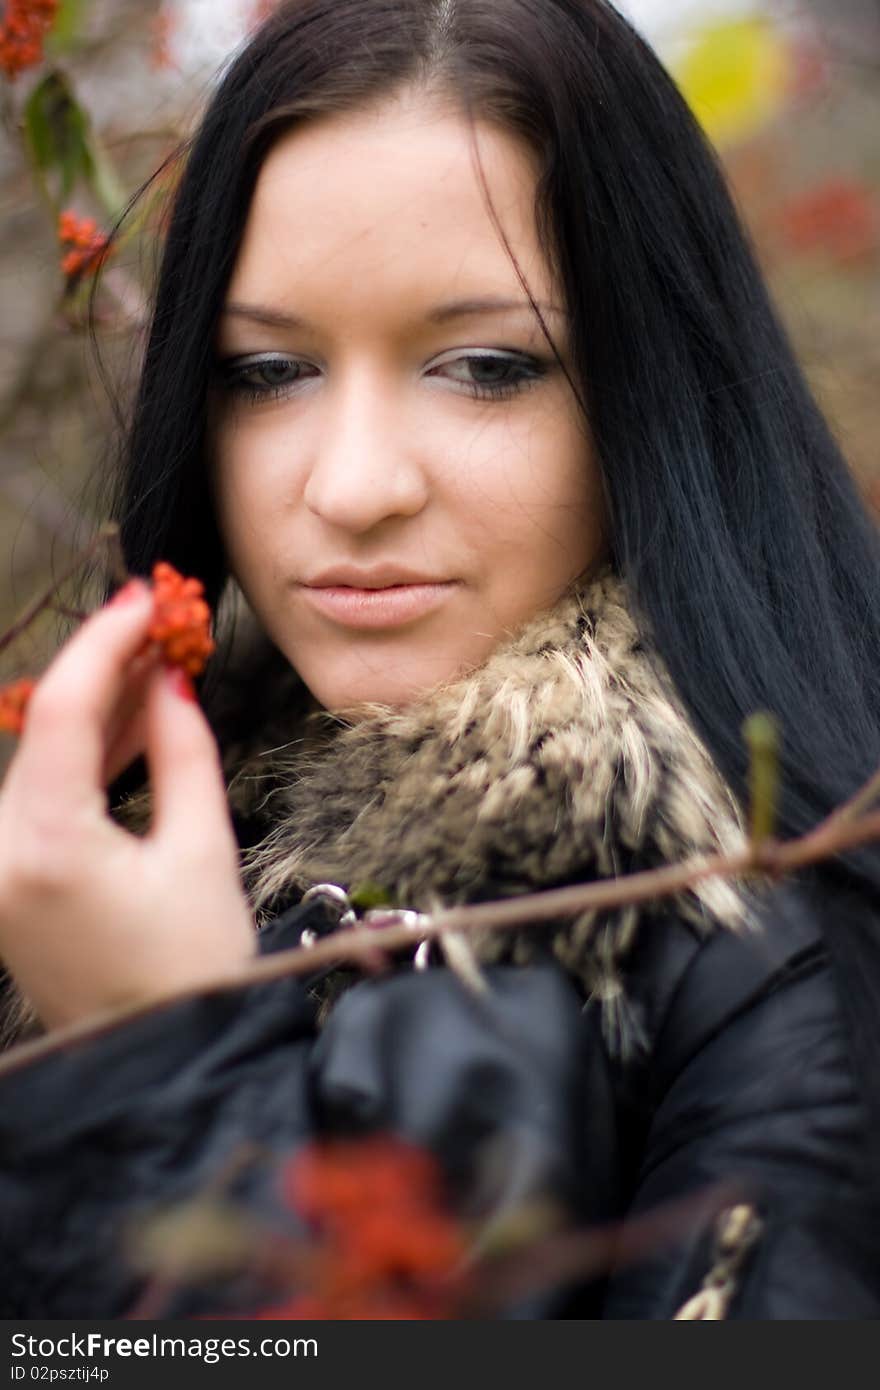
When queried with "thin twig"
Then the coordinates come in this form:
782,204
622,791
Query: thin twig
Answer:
856,804
769,859
587,1252
157,1293
108,535
47,507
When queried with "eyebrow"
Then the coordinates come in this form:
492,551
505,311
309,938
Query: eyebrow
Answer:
441,313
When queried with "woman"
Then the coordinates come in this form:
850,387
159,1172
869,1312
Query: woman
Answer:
614,524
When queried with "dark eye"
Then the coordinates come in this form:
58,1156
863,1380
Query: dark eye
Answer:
493,371
259,378
492,375
274,373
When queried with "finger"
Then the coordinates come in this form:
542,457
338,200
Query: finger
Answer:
127,734
130,743
62,750
189,791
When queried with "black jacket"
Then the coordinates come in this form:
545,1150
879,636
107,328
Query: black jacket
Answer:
656,1064
741,1078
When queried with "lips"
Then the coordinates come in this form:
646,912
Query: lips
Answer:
375,608
382,576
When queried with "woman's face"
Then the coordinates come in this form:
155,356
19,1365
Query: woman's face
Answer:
375,413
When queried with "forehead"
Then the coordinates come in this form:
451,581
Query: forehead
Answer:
387,203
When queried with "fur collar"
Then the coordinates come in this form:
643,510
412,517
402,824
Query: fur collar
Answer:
564,758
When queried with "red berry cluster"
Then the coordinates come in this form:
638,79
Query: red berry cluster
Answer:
86,247
840,217
181,620
22,32
387,1248
180,626
13,704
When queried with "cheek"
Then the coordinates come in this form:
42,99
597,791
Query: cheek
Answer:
533,477
239,529
571,462
247,491
227,502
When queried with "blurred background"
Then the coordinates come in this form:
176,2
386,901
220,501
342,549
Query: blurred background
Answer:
96,94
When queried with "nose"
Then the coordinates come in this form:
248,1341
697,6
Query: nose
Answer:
362,472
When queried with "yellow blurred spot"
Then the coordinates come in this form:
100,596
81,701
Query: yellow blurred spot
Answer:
734,76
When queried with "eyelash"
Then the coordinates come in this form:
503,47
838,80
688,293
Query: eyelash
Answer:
236,376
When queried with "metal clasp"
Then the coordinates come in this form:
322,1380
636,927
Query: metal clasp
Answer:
403,917
337,897
375,917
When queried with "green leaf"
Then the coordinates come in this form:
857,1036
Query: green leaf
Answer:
761,733
67,26
57,131
368,894
105,182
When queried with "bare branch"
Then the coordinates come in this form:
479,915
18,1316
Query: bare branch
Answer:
108,535
768,859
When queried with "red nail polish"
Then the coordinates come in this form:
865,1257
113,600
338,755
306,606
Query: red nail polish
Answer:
181,684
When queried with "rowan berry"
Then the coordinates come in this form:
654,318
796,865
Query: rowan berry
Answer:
13,704
22,32
387,1247
180,626
181,621
87,247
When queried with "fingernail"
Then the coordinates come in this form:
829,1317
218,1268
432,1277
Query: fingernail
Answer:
181,684
129,592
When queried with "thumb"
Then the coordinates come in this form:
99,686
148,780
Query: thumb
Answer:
189,791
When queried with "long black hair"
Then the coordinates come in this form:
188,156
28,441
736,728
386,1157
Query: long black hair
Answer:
747,550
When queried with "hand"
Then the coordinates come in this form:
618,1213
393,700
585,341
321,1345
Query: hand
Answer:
92,917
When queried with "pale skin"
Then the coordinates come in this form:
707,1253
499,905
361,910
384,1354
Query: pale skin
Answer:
93,918
373,450
356,437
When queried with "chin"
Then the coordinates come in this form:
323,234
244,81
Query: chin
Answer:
353,703
355,707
